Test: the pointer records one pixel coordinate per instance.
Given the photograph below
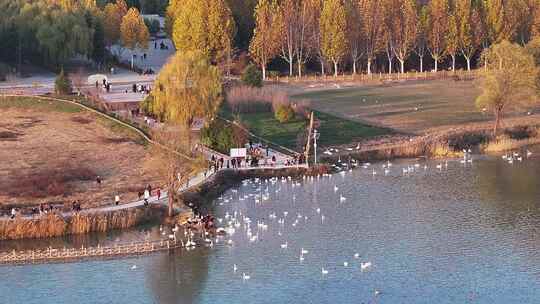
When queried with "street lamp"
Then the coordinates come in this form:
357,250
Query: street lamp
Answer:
316,136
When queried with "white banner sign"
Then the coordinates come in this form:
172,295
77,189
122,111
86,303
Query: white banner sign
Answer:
240,152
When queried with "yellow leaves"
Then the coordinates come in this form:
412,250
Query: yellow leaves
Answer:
187,87
333,29
133,30
203,25
265,42
112,20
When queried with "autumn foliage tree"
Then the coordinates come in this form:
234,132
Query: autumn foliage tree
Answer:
333,25
113,14
133,30
372,23
437,31
203,25
188,87
404,29
265,43
510,81
173,159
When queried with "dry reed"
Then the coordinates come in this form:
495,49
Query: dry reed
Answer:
54,225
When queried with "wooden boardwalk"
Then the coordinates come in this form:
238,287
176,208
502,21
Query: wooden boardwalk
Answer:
51,255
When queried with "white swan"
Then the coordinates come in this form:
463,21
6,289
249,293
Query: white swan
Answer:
342,198
304,251
284,245
245,277
345,264
336,188
356,255
365,266
324,271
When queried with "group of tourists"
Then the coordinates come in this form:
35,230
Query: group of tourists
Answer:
105,85
162,45
147,193
141,88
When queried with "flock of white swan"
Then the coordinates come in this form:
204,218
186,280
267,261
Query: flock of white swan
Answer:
258,192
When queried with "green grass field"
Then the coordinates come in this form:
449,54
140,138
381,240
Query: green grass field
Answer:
38,104
334,130
407,107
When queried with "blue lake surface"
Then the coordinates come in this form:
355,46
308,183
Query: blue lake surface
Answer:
466,233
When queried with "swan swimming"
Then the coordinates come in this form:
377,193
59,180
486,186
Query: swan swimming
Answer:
365,266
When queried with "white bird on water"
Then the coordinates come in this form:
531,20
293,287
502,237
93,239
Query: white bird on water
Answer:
336,188
284,245
365,266
345,264
324,271
235,268
133,267
342,198
304,251
356,255
245,277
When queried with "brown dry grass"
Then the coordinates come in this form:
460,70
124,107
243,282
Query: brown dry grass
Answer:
53,156
54,225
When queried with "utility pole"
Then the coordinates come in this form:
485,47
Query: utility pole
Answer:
315,137
308,142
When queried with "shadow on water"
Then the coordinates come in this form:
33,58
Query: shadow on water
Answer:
178,277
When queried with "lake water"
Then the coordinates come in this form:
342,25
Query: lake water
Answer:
466,233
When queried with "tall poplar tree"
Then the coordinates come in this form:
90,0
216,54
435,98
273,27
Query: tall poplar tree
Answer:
265,42
469,29
332,27
405,30
355,35
372,25
438,26
288,23
422,25
452,39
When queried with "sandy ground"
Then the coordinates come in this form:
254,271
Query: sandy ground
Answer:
50,156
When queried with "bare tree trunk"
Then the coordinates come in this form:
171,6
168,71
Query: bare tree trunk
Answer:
389,65
436,64
453,63
421,64
468,63
322,66
369,66
170,200
299,68
498,120
354,67
402,63
335,68
263,68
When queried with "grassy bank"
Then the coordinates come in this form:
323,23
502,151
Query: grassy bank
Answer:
406,107
36,104
334,130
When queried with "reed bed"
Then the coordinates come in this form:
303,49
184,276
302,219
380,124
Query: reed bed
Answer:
54,225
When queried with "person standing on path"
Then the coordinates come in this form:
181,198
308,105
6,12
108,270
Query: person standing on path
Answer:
13,213
117,200
158,193
146,196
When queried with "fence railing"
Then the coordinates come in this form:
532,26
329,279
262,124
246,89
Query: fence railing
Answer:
66,254
381,77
